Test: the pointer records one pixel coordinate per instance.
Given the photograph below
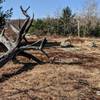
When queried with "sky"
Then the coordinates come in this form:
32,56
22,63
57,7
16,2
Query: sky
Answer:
42,8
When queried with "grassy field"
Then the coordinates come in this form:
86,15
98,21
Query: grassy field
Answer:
74,73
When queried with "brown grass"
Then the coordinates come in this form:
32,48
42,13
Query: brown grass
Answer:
73,75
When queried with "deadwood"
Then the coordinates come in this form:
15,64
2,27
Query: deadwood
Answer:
14,48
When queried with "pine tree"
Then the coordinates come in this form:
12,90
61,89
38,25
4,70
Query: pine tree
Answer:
4,15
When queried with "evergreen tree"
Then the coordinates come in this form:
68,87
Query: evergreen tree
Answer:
4,15
66,20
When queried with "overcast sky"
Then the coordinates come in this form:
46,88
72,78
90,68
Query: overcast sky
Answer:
42,8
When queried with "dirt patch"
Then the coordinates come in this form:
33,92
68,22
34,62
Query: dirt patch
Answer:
74,74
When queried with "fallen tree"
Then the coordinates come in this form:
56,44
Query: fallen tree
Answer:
14,48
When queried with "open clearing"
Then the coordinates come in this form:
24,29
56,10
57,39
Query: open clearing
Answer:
73,75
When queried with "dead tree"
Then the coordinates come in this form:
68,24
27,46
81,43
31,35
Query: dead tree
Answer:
14,48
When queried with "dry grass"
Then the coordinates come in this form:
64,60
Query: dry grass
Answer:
73,75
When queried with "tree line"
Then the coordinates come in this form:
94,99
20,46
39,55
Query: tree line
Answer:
64,24
87,23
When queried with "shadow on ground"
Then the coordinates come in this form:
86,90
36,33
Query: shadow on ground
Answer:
25,67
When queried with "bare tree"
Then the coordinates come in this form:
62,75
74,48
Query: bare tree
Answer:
15,48
89,15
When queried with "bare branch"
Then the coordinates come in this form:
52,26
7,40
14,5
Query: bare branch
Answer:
27,8
30,56
29,25
14,28
2,33
43,44
22,31
24,11
27,29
